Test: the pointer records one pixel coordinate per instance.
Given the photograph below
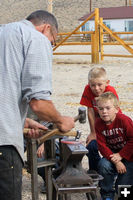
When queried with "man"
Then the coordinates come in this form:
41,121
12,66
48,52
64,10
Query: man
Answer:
25,79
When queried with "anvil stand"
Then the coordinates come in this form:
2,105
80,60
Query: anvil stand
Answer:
50,159
33,165
71,177
54,191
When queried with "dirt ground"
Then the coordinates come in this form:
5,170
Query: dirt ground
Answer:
69,79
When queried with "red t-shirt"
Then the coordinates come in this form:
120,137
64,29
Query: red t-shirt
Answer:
116,137
88,98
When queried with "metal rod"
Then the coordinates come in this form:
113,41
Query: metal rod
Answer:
125,2
90,5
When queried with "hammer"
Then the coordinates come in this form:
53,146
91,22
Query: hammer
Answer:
81,117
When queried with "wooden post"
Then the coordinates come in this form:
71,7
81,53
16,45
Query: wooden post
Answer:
125,2
90,6
97,34
130,3
93,57
50,6
101,39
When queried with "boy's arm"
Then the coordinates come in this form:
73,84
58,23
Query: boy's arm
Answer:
120,167
127,151
101,140
91,120
115,157
40,151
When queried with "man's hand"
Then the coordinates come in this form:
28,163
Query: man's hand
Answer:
121,169
40,151
115,157
65,124
91,136
34,128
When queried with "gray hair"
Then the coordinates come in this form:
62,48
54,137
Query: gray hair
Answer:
43,17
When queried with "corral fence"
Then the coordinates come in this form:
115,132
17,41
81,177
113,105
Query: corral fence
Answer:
96,38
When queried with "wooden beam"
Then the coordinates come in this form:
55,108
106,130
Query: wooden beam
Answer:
71,53
129,49
117,55
101,40
91,16
78,33
125,2
96,35
75,43
50,5
90,5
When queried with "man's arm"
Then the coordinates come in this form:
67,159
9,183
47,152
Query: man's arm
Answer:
46,111
91,120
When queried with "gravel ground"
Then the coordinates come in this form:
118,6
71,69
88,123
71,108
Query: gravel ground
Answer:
69,78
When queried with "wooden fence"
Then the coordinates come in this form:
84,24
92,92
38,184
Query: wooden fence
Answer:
96,40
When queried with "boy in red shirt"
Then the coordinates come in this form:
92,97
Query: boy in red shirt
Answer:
98,84
114,132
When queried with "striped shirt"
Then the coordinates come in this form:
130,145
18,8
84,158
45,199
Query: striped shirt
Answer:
25,73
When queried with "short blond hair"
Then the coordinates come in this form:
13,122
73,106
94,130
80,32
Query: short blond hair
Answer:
97,73
108,96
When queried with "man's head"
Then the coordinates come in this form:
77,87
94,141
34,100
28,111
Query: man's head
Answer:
108,106
45,23
98,81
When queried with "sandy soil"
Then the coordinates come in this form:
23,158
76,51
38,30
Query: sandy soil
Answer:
69,78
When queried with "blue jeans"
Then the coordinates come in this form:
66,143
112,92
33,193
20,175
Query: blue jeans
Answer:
108,170
10,173
41,170
93,155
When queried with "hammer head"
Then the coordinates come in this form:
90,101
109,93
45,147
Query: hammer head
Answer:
82,115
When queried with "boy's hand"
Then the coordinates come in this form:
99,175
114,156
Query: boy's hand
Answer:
115,157
40,151
121,169
91,136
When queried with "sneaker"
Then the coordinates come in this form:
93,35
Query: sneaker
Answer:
90,171
108,198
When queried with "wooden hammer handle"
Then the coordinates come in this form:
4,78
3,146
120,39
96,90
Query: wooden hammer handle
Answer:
51,133
25,131
55,132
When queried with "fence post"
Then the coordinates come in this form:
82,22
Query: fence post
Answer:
101,40
97,35
93,55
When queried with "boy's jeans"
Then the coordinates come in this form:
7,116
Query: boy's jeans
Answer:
93,155
108,171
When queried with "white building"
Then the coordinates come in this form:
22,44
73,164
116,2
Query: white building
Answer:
118,19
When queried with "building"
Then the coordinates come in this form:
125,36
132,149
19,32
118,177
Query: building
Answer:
118,19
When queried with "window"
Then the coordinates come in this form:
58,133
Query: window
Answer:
83,27
107,23
128,25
